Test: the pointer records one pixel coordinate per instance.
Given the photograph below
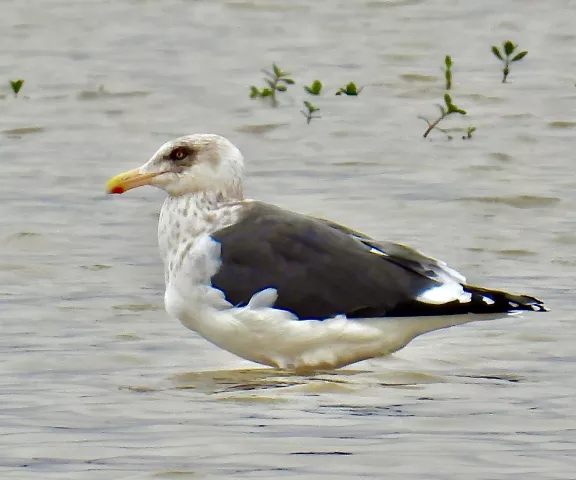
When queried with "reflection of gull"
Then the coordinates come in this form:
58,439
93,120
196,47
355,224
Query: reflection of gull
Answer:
284,289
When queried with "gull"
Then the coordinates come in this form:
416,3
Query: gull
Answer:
289,290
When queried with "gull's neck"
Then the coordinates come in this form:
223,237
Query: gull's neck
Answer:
185,218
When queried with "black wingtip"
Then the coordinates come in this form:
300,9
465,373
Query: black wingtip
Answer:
539,307
501,301
525,302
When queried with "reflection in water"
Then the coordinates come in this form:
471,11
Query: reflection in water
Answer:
261,379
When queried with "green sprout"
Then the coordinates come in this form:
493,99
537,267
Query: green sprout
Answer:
310,112
469,131
448,71
350,90
508,48
16,86
449,109
315,88
277,81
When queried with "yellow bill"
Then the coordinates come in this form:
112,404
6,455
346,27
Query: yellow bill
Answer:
129,180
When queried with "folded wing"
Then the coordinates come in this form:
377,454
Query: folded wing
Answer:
321,269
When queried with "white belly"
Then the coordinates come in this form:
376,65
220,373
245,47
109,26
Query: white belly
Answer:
276,338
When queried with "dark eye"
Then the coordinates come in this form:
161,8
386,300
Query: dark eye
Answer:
179,153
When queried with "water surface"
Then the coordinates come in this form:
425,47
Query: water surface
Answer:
98,383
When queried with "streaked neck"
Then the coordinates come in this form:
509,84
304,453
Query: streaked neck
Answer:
185,218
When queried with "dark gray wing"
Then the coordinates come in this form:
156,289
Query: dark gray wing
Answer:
321,269
407,257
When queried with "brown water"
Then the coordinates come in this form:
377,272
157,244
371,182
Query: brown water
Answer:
98,383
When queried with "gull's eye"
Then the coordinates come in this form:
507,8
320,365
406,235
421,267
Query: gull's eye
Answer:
179,153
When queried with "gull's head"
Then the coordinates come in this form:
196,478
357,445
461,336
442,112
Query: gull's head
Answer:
199,163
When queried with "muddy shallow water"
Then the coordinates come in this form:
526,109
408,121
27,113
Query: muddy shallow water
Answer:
98,383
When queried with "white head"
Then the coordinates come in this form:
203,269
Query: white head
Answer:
199,163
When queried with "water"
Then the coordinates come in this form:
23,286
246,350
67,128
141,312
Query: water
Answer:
98,383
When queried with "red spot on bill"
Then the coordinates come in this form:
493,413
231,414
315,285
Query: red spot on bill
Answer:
117,190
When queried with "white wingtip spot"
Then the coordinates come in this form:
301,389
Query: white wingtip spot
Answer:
375,251
488,301
445,293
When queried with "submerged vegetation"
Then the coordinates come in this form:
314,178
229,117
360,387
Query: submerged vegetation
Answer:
310,111
315,88
469,131
277,81
448,71
508,56
16,86
448,109
350,89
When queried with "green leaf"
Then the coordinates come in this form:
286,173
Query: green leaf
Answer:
277,70
520,56
349,89
454,109
289,81
311,108
509,48
451,108
315,89
281,88
496,52
16,85
448,61
309,112
266,92
254,92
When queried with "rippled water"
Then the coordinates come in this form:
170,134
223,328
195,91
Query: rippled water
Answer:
98,383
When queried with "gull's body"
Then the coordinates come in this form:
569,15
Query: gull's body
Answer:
287,290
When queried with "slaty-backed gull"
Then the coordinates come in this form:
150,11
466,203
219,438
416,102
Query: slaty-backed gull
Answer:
288,290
